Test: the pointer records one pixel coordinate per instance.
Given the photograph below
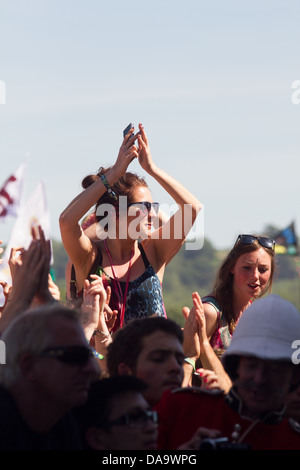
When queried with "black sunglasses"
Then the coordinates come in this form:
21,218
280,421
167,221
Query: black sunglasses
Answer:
76,355
146,206
136,419
249,239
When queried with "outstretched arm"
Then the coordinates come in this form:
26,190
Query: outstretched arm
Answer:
208,357
77,244
191,344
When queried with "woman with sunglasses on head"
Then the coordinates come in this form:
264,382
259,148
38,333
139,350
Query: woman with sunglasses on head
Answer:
245,275
129,254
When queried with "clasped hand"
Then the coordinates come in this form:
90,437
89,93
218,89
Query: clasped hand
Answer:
134,146
95,306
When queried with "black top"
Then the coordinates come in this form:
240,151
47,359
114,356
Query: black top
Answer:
16,435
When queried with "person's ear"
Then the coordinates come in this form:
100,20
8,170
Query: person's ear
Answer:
124,369
95,438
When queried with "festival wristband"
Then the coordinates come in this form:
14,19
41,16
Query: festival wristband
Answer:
108,187
97,355
192,362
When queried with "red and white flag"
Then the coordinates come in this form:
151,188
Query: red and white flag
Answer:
11,194
31,214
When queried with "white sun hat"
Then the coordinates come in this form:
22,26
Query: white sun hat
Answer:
267,329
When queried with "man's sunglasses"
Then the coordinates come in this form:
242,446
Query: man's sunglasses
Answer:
146,206
76,355
249,239
137,419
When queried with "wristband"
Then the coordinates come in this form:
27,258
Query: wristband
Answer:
97,355
108,187
107,335
192,362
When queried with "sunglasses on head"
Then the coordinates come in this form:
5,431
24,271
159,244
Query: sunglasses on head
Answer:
146,206
249,239
76,355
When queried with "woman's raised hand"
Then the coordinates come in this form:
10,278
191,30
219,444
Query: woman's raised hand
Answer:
144,154
191,343
199,313
105,312
128,151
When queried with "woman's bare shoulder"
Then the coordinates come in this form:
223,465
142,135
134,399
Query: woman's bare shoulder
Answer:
210,310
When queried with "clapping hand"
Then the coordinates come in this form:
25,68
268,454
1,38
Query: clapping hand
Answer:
144,154
96,313
30,269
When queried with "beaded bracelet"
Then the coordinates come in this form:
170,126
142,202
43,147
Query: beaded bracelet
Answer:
107,335
108,187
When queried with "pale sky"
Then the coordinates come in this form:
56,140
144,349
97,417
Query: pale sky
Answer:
211,81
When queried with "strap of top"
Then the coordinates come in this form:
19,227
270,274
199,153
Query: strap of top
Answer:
96,263
145,259
73,291
212,301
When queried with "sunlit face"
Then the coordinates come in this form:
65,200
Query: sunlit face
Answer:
64,385
160,364
263,385
251,273
140,221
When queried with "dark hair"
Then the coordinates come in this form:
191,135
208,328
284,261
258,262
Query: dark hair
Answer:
125,186
223,286
97,410
127,343
230,364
